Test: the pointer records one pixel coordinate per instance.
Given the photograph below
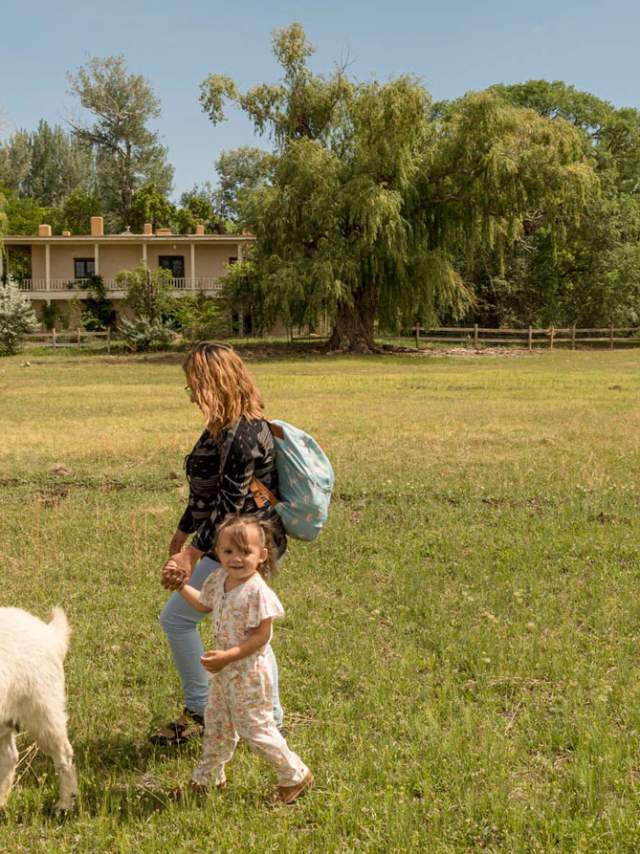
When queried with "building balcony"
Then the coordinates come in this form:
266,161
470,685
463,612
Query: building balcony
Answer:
70,288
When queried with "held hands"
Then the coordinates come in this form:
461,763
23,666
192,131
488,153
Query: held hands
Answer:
215,660
177,570
173,576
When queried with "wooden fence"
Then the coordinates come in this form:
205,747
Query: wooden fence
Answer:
70,337
571,337
470,336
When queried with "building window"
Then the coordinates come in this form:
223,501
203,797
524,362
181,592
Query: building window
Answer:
173,263
84,268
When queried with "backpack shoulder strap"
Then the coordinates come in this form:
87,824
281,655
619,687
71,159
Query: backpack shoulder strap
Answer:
261,494
276,430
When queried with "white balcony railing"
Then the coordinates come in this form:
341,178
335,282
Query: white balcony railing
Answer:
44,285
198,284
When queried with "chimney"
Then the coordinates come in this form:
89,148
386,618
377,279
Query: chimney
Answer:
148,229
66,234
97,226
44,230
200,229
163,232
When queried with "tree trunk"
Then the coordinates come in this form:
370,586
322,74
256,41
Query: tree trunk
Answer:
353,324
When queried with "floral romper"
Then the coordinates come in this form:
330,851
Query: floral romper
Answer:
240,703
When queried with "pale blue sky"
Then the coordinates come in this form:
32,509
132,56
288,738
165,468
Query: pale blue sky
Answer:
453,46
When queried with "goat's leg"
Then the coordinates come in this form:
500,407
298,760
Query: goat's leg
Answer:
53,741
8,762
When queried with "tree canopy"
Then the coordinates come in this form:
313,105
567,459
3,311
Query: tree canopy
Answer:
46,164
240,170
376,201
128,154
595,278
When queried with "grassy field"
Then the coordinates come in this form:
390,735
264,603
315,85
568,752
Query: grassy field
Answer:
460,654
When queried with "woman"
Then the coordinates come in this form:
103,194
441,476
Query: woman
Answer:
236,447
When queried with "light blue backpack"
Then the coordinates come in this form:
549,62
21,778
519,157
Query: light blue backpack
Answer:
305,481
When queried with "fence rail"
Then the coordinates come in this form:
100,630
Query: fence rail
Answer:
475,336
70,337
529,337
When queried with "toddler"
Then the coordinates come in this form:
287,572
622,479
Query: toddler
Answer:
240,703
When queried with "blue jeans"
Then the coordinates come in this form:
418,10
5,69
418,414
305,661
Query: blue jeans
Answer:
180,623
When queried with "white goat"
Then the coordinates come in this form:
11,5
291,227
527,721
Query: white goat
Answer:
32,695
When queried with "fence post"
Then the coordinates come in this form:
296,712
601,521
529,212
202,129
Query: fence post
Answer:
78,335
475,336
573,337
611,337
417,335
530,338
108,340
53,337
551,334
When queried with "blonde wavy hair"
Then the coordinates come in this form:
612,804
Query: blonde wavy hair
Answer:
221,386
235,526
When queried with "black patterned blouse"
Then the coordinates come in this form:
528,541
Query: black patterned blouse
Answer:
219,472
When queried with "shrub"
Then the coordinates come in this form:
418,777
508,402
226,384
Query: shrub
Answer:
17,319
99,311
50,313
148,292
201,318
149,298
142,333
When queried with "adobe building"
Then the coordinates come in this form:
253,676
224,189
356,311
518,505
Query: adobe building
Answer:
51,268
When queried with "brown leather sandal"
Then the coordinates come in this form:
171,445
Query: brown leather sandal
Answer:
289,794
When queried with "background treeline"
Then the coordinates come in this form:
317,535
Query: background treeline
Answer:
373,206
112,165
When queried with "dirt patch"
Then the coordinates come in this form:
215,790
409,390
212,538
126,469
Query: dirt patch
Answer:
252,352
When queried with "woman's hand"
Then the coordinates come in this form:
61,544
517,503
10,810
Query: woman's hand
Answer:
177,542
214,660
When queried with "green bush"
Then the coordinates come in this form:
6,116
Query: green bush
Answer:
17,319
99,312
142,334
201,318
50,313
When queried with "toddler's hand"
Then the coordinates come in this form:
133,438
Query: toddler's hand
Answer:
214,660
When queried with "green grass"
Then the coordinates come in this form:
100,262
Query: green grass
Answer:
459,658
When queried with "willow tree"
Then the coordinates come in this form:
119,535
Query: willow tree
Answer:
374,197
595,279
